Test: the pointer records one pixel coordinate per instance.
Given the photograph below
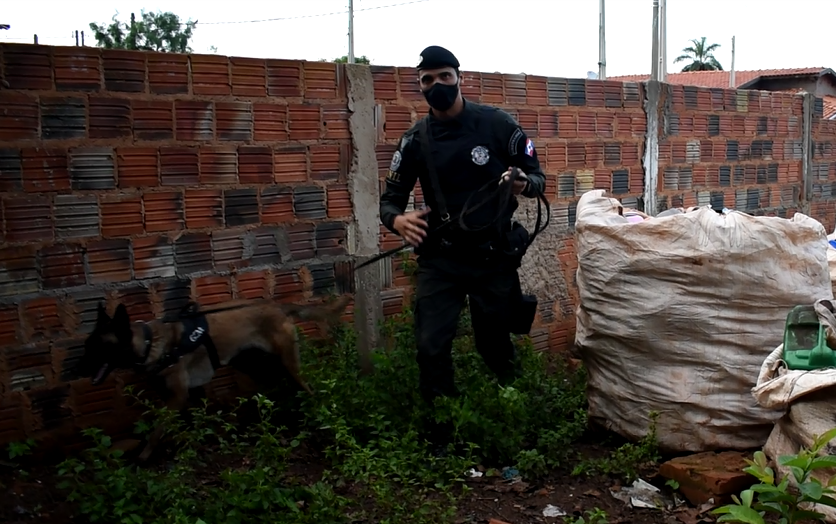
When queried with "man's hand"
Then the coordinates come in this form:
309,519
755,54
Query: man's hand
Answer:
519,184
412,226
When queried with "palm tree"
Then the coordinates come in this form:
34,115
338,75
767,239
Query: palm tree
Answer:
701,57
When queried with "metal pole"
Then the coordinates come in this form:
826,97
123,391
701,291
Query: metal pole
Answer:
732,82
350,31
602,45
654,69
663,40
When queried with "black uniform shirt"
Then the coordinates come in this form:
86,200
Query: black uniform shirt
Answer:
475,147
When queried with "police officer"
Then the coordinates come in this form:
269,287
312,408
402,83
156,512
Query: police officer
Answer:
473,147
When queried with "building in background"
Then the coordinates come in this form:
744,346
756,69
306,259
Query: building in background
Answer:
821,81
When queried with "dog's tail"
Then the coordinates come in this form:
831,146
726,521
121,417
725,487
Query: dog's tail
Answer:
321,312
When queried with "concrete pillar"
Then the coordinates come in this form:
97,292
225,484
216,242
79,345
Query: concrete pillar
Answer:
807,153
364,187
652,100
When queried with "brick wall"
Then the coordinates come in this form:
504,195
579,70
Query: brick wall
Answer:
736,149
153,179
822,173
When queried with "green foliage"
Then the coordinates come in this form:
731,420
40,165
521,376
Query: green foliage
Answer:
701,57
369,429
591,516
628,459
161,32
357,60
20,449
789,503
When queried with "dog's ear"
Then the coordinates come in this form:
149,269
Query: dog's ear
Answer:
121,317
102,317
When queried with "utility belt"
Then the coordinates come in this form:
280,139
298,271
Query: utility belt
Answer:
510,243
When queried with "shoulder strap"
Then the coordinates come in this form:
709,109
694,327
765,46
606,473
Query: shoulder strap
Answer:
426,149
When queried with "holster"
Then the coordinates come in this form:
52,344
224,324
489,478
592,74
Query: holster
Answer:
514,243
522,316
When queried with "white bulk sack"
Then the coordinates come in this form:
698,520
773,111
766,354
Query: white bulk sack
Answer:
677,314
831,259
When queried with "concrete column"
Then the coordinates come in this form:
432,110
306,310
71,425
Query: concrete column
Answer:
806,195
364,187
652,100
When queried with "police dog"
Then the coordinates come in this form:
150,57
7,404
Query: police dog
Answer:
157,347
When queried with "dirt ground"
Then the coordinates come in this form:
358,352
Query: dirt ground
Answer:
35,498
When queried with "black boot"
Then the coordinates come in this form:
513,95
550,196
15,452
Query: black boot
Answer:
439,435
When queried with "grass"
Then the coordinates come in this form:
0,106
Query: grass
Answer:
367,428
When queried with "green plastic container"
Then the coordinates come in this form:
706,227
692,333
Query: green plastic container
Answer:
805,344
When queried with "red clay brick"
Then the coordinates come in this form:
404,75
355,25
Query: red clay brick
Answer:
408,86
27,66
555,157
326,162
168,73
234,121
339,201
290,165
288,286
124,71
709,475
385,82
536,88
195,120
76,68
109,117
19,118
45,169
9,325
320,80
42,318
270,122
249,76
213,290
153,257
567,126
304,121
515,89
398,120
284,78
138,167
28,218
121,217
492,92
137,301
163,211
276,205
204,208
109,261
255,165
218,165
153,119
253,285
179,166
471,85
335,120
210,75
62,265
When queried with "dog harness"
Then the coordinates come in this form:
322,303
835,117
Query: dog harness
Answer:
195,334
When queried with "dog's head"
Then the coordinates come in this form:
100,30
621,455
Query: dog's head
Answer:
109,346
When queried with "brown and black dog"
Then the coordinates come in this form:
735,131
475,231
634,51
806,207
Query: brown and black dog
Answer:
187,350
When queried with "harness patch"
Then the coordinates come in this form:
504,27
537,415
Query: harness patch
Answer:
195,331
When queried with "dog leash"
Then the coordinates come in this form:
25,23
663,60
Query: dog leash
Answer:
504,190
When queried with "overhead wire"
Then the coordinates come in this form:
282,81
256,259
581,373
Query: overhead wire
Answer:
333,13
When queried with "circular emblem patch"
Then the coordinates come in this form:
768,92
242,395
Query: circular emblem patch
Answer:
480,155
396,161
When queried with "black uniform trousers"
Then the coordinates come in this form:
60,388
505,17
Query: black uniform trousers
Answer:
443,282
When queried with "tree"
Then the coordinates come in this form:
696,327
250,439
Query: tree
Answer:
701,57
357,60
161,32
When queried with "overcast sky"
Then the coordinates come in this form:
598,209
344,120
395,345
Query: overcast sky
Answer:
541,37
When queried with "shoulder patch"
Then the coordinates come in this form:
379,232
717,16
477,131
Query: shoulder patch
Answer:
513,143
396,160
529,147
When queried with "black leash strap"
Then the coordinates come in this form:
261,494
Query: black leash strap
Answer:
426,148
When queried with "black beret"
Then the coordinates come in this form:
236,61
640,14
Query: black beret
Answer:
435,57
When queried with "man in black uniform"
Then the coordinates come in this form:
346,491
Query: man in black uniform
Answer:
472,146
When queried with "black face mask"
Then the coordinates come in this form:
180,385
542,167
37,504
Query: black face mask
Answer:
441,97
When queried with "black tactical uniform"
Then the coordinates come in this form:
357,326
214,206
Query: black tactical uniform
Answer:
469,151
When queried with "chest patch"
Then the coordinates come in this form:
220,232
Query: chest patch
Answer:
480,155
